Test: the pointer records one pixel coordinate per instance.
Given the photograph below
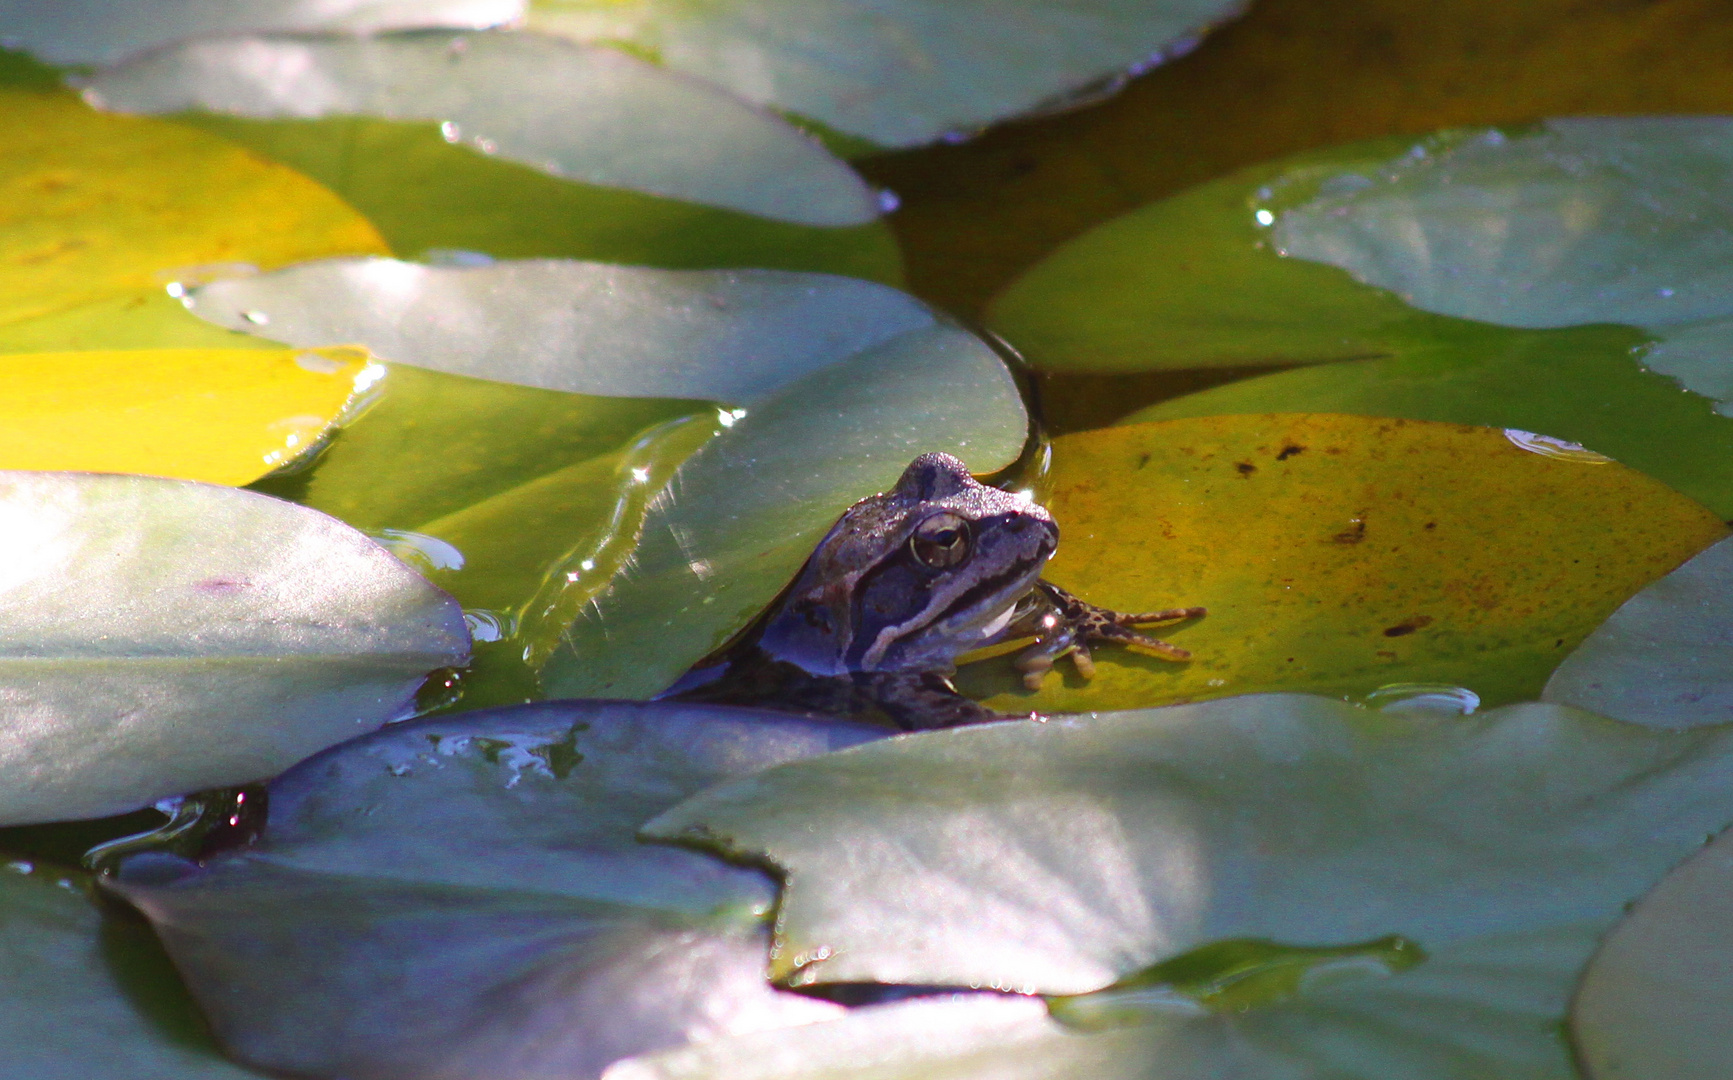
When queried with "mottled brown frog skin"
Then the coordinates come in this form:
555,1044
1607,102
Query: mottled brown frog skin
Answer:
901,586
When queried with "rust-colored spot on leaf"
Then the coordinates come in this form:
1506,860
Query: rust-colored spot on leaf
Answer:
1408,626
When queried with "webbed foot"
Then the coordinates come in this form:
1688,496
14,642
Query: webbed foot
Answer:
1066,626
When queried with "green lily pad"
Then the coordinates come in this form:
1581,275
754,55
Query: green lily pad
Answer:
1061,857
1655,1001
465,896
1665,657
92,31
582,113
740,517
72,989
897,74
585,328
146,619
1342,554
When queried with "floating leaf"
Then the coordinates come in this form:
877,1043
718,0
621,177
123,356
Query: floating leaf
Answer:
1338,554
98,206
586,328
526,502
1666,656
134,319
1538,236
1577,384
897,74
739,518
223,416
577,112
71,986
1655,1001
464,896
94,31
1486,1009
1062,857
162,636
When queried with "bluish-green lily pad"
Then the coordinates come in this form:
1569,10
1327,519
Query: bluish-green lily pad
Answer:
582,327
463,897
1656,1002
1061,857
70,988
1665,658
1564,279
93,31
741,515
161,636
903,73
578,112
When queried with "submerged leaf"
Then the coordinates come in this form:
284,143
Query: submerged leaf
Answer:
1664,658
463,897
901,73
162,636
1064,856
1338,554
97,206
224,416
72,985
738,519
578,112
582,327
1656,1001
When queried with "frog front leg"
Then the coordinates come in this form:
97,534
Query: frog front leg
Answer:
1063,625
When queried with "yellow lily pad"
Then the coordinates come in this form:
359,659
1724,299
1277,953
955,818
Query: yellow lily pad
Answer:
224,416
92,205
1342,554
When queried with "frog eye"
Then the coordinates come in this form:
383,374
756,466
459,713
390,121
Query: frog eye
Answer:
941,541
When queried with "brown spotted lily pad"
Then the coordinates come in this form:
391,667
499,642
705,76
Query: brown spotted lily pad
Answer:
1341,554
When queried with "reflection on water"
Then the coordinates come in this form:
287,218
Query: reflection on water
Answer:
1409,697
1549,446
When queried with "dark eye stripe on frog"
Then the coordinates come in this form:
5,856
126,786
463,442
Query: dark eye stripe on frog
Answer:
865,656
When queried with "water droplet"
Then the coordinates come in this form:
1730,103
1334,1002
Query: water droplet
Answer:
21,866
1423,698
486,146
257,318
367,376
889,201
175,289
1552,447
450,132
420,550
1664,293
1265,217
487,625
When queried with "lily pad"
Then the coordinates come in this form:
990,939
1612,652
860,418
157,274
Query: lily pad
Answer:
1656,1001
71,984
98,206
224,416
581,327
464,896
145,617
523,501
1339,554
1577,384
741,515
897,74
577,112
1665,656
1487,1009
1065,856
92,31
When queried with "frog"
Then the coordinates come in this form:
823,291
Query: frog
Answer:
903,585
